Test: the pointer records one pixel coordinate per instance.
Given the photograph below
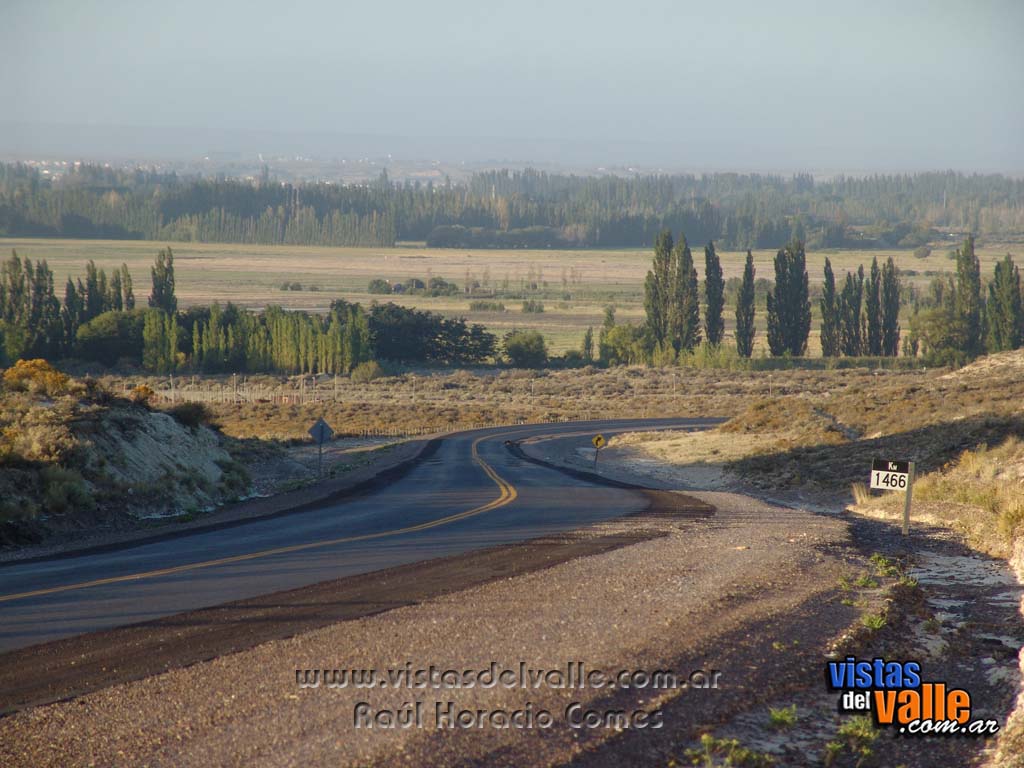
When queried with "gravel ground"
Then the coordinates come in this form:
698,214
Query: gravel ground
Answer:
706,596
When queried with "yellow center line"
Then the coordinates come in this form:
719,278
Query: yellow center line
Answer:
507,495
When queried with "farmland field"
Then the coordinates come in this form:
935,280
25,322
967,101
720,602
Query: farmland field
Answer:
574,285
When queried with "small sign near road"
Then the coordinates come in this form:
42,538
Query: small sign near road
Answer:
889,475
598,441
321,432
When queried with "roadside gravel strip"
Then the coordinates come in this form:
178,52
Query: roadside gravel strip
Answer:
705,593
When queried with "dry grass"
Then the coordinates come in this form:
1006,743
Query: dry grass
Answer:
980,493
419,401
822,431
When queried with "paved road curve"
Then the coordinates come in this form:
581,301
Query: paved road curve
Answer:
471,493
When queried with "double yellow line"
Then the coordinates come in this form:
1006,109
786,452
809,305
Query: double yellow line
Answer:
507,495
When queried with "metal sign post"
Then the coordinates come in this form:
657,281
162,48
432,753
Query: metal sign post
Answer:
895,476
321,432
599,443
907,501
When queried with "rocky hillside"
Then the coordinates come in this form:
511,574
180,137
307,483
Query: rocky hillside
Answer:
74,457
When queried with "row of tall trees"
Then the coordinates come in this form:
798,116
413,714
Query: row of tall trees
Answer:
98,321
958,320
35,323
858,321
511,209
862,318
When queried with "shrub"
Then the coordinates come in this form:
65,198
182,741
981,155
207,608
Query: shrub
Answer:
573,358
438,286
486,306
192,415
234,477
922,252
782,718
367,372
36,376
377,285
64,490
110,336
526,349
532,306
142,394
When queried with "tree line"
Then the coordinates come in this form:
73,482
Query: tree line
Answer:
953,324
98,321
511,209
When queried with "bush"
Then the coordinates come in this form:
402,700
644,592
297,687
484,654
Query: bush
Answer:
37,377
192,415
486,306
290,286
64,490
110,336
377,285
573,358
367,372
532,306
922,252
142,394
438,286
526,349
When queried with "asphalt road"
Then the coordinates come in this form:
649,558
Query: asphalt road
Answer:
469,494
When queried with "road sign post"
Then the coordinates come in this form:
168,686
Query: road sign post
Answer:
907,501
599,443
321,432
895,476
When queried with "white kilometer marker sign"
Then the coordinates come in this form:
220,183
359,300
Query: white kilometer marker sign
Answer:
895,476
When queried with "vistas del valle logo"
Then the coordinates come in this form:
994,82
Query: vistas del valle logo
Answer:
897,697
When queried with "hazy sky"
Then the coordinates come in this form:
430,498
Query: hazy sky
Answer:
755,84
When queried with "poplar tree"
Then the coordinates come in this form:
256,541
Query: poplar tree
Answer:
658,289
684,311
116,299
714,296
968,297
162,273
789,305
94,298
890,309
873,310
829,314
745,310
1004,312
588,346
160,341
128,299
851,302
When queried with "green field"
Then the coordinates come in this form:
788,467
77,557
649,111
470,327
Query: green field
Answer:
251,276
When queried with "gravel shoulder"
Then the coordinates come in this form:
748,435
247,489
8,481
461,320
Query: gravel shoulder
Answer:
964,619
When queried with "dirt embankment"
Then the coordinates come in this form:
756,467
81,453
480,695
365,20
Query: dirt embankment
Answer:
81,468
75,463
